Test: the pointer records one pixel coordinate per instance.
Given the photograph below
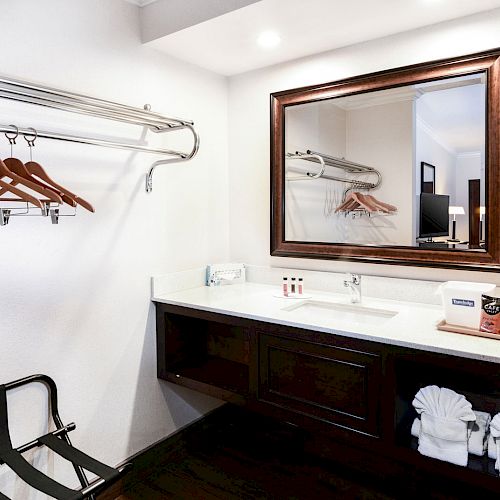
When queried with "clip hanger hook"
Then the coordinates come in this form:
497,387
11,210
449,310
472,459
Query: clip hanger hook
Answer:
30,139
12,139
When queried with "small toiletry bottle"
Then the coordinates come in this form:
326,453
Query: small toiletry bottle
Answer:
285,287
293,286
301,286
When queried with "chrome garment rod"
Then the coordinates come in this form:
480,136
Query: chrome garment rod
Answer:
309,175
95,142
331,161
31,93
77,100
348,166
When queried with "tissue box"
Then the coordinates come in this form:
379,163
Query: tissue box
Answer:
225,274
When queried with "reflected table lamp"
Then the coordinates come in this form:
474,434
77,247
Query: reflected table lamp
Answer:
455,211
482,212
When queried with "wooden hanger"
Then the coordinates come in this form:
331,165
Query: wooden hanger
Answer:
6,187
72,199
383,205
355,200
26,174
15,169
35,169
349,204
363,202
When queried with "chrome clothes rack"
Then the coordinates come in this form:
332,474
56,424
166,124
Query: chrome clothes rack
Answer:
341,163
39,95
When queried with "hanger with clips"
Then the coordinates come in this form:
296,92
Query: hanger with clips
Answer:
357,202
36,172
15,170
6,187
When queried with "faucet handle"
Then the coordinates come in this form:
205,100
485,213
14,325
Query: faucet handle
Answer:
354,279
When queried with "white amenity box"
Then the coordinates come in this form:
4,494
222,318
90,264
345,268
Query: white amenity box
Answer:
462,302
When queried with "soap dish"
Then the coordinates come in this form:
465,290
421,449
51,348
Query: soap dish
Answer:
292,296
442,325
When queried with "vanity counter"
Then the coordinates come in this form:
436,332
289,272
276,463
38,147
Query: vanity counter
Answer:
414,325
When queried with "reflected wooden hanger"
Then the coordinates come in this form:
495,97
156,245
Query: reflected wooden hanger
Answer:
384,206
368,202
348,204
15,169
35,169
363,202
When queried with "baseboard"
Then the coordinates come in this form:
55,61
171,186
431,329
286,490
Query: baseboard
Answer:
152,457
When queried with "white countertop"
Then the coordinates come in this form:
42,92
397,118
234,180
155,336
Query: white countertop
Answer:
413,326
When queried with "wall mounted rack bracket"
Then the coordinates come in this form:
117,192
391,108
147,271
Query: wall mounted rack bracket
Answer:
30,93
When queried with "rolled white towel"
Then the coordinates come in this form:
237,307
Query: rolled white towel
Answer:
443,402
444,439
415,428
492,447
495,432
477,433
444,424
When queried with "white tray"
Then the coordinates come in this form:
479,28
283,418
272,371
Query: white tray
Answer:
292,296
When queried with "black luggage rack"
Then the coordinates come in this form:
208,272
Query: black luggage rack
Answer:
59,442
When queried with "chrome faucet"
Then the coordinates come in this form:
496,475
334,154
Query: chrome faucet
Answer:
354,284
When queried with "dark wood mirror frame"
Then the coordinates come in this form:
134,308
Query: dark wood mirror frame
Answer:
489,260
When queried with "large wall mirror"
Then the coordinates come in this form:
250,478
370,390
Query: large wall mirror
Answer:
398,167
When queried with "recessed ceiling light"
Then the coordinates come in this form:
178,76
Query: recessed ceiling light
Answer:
268,39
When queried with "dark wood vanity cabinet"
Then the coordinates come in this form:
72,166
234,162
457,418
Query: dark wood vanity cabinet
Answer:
335,385
351,397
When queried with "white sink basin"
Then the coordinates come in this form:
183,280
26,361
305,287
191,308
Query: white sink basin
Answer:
339,314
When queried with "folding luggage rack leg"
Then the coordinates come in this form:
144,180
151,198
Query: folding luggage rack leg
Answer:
59,442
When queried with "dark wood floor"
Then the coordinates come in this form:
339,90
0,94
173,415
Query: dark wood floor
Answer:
242,456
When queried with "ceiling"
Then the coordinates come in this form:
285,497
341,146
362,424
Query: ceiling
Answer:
227,44
455,116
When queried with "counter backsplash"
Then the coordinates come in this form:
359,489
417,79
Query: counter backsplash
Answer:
373,286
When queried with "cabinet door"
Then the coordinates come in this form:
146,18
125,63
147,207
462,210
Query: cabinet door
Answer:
333,384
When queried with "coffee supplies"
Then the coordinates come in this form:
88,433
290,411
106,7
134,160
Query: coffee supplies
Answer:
490,314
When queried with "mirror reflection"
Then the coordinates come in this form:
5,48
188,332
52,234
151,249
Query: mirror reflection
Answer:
403,166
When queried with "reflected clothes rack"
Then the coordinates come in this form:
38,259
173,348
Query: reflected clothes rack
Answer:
30,93
354,203
326,160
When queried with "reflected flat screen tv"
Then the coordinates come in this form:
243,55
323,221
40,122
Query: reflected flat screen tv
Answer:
434,217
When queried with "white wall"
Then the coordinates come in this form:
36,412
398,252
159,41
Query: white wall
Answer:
468,166
430,150
382,136
249,129
377,135
75,298
318,127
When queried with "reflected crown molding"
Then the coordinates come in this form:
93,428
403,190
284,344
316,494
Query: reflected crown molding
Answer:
470,154
437,86
420,122
140,3
378,98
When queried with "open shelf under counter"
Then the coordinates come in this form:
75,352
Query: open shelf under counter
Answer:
218,372
351,397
